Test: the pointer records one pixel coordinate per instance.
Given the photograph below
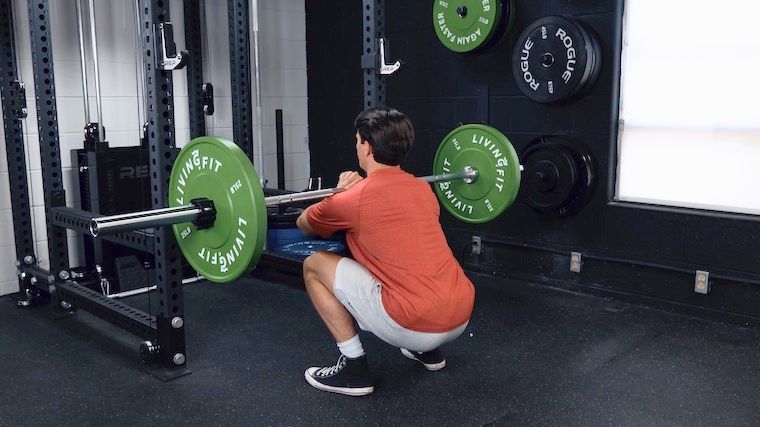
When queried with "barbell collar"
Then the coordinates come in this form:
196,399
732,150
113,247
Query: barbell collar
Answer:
468,175
207,216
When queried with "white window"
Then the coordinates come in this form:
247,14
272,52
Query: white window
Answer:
690,105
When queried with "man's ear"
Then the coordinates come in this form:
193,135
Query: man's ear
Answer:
367,149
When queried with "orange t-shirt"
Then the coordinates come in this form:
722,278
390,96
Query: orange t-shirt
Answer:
392,229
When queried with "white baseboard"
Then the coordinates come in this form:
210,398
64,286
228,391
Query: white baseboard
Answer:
8,287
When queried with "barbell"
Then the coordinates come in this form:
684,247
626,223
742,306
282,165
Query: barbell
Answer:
218,209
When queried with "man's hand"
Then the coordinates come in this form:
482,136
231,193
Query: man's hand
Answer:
348,179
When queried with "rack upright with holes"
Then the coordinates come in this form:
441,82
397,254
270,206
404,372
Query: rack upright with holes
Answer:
14,109
240,75
170,334
374,67
196,89
373,31
47,128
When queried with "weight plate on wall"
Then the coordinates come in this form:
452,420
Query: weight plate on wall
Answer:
504,25
217,169
555,59
489,152
551,176
596,56
466,25
559,176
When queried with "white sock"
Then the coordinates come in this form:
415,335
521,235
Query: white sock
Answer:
351,348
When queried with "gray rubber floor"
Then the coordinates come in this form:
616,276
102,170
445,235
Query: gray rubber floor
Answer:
531,356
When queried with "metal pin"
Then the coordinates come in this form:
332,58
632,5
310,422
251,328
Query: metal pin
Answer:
99,99
82,61
179,359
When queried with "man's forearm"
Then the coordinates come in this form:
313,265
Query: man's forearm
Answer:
303,224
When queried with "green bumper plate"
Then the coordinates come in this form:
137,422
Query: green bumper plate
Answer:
489,152
217,169
466,25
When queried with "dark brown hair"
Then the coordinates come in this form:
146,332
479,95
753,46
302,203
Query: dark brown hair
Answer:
389,133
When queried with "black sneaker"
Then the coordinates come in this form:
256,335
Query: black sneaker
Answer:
347,376
432,360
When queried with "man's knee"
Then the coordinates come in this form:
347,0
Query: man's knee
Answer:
320,266
310,264
319,259
314,264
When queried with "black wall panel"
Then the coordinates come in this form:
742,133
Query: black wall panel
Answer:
333,50
653,253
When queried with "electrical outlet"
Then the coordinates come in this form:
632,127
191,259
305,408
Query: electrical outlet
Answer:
702,282
476,245
576,262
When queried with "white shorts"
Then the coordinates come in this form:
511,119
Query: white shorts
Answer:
359,292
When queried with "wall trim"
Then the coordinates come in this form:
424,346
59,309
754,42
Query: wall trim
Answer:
7,288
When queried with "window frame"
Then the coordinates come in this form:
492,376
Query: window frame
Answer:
616,127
